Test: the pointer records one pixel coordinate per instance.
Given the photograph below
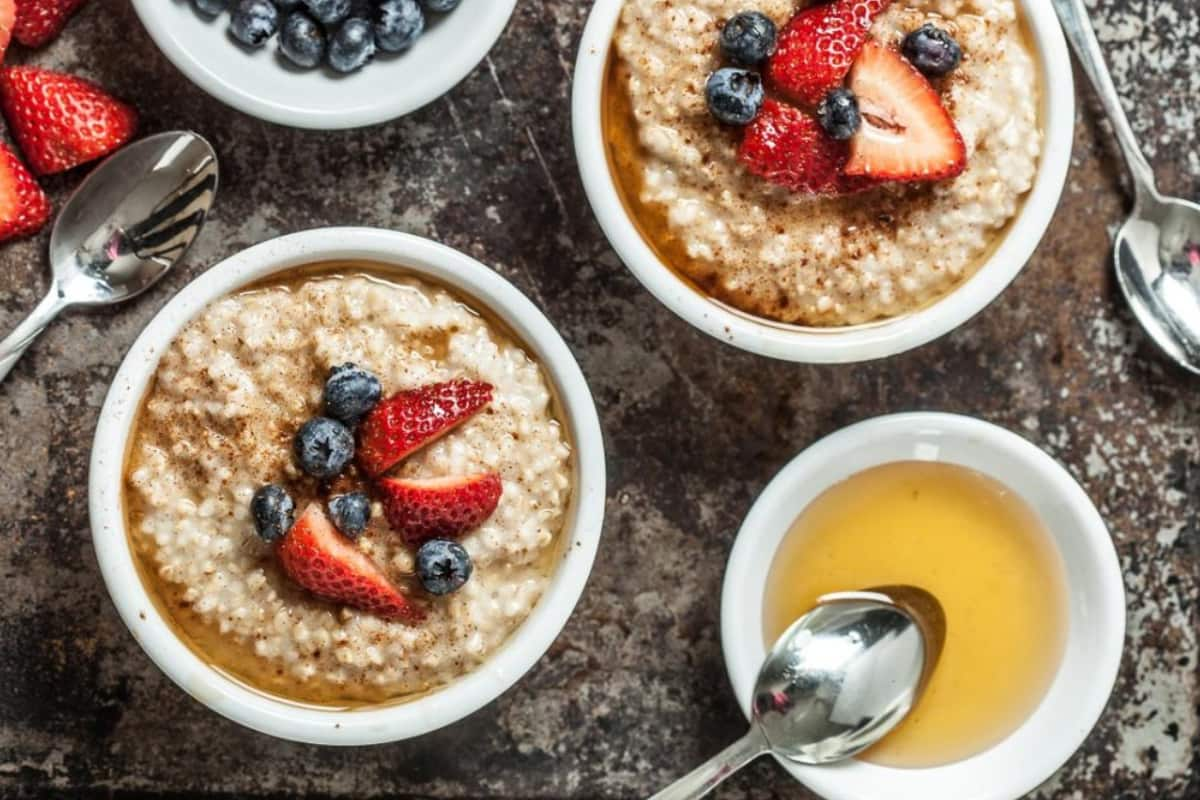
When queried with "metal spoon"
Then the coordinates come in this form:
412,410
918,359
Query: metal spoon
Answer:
835,683
1158,248
128,223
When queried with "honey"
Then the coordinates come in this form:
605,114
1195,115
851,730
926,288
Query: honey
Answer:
977,547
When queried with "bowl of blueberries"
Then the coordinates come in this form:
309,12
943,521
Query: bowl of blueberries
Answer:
325,64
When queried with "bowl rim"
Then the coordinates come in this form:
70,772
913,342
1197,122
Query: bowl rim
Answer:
1072,705
811,345
452,69
369,725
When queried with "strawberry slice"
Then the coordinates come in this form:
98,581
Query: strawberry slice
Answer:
8,20
439,508
24,208
818,47
788,147
61,121
408,421
320,559
907,134
39,21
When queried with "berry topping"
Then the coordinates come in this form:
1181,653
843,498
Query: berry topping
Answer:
350,513
316,557
328,12
838,114
253,22
351,48
789,148
818,47
324,447
272,509
443,566
210,8
410,420
39,21
439,6
302,40
748,38
734,95
398,23
351,391
932,51
24,208
439,508
906,134
61,121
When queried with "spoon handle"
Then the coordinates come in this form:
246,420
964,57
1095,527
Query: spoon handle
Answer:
708,775
19,340
1076,25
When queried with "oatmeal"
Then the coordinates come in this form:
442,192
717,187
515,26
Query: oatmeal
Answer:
805,259
219,422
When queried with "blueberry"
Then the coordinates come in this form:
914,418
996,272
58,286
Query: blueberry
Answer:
734,95
350,513
748,38
272,509
210,8
440,6
443,566
931,50
839,114
324,447
302,40
398,24
351,391
286,6
362,9
328,12
254,21
349,49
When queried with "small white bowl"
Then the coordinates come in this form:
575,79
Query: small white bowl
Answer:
826,345
1095,594
371,725
262,84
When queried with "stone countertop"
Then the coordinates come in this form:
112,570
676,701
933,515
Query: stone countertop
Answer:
634,692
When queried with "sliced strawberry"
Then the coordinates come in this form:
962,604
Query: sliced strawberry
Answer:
439,508
818,47
8,19
320,559
62,121
24,208
39,21
407,421
907,134
788,147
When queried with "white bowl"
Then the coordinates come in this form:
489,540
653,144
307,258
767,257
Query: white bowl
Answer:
261,84
386,723
1095,594
826,345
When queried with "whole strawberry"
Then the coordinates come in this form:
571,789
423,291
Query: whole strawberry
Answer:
61,121
24,208
39,21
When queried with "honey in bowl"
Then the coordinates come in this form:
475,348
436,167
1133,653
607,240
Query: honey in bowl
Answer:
981,551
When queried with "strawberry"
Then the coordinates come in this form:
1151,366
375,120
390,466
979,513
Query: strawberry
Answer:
788,147
8,20
24,208
62,121
439,508
39,21
407,421
906,134
320,559
818,47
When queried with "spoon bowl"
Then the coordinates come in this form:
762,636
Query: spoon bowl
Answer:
126,225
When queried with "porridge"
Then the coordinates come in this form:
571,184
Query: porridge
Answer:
855,245
406,566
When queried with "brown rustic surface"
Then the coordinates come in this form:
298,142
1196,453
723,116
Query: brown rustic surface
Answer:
634,691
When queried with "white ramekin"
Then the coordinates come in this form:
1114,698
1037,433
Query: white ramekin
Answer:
261,84
1096,597
814,345
527,644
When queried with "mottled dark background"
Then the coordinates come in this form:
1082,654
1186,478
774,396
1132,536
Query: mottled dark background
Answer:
634,690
